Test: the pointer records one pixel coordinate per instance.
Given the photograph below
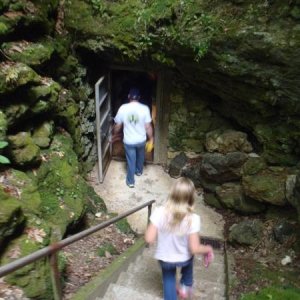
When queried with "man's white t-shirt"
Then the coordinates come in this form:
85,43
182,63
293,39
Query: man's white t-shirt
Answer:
173,245
133,115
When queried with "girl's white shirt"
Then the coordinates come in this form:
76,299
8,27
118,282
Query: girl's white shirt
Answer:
173,243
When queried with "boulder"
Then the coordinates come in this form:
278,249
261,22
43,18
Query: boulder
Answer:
24,189
231,196
293,191
34,100
192,171
3,126
31,54
11,215
227,141
266,186
177,164
284,230
35,278
42,135
64,193
221,168
23,150
15,75
253,165
247,232
212,200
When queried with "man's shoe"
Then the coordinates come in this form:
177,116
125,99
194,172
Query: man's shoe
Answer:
130,185
138,174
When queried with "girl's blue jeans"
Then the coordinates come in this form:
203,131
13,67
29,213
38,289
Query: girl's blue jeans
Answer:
135,156
169,277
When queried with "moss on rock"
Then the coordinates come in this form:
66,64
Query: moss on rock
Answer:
11,215
25,190
14,75
32,54
64,193
42,135
23,150
266,186
34,278
3,126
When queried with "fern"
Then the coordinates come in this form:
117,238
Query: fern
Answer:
3,159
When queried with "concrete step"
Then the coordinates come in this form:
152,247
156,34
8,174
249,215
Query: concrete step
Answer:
117,292
143,281
143,277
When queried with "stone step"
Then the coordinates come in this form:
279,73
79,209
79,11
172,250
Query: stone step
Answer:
117,292
143,277
149,282
205,287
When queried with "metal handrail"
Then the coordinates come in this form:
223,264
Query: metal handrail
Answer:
52,249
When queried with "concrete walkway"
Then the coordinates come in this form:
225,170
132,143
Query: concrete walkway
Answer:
155,184
142,279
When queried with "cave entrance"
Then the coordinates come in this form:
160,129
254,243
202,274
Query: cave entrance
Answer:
121,82
112,92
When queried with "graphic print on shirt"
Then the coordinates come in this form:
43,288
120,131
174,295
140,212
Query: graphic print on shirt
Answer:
133,119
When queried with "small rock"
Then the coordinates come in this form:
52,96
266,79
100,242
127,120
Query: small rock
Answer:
286,260
98,215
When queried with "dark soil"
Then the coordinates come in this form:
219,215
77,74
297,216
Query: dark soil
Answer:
82,258
260,265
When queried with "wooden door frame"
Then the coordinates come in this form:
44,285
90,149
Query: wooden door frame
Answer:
162,110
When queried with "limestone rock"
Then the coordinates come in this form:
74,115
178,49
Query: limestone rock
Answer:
227,141
11,215
23,188
32,54
23,150
221,168
177,164
266,186
3,126
293,191
253,165
34,278
212,200
43,134
284,230
246,232
14,75
231,196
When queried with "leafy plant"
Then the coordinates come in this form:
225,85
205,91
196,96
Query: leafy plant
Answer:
3,159
107,248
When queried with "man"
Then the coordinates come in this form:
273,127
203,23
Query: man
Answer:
136,121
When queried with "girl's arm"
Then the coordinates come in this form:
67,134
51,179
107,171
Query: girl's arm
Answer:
151,234
195,246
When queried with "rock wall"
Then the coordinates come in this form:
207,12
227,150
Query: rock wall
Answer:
235,92
46,116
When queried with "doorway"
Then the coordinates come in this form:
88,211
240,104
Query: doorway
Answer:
121,82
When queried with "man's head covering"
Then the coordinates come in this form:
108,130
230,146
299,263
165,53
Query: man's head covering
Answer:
134,94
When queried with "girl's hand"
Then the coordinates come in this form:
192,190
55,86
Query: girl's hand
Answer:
208,257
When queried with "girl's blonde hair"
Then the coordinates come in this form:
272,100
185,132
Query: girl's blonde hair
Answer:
180,201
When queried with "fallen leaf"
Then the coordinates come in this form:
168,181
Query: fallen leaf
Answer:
107,254
36,234
14,252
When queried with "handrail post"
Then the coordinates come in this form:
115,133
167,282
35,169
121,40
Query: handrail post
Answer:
55,277
149,212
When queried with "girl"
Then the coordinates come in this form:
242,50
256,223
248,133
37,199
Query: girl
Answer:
177,228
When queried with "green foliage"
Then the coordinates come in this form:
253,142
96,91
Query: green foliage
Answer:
274,293
107,247
3,159
124,226
3,28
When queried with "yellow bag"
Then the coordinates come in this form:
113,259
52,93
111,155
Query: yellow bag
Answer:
149,146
